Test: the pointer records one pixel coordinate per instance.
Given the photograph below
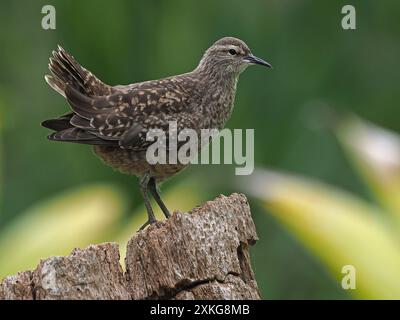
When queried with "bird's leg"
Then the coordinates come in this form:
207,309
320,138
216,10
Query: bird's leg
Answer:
156,196
144,184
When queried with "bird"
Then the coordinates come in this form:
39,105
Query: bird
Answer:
116,119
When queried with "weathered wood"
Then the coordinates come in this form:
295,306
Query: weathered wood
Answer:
92,273
18,287
202,254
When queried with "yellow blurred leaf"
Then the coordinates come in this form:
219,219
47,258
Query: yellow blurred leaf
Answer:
338,228
375,153
54,227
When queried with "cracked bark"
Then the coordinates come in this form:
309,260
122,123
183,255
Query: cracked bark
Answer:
202,254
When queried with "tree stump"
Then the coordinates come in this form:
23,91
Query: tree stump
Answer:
202,254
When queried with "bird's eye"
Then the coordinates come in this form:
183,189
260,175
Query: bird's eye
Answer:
232,52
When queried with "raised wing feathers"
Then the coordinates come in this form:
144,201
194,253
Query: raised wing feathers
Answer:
126,117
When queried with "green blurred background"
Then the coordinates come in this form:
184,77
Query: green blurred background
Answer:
55,196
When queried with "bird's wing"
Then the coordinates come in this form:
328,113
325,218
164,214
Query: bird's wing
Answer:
125,118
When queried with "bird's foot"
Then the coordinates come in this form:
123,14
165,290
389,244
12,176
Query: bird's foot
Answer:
148,222
167,214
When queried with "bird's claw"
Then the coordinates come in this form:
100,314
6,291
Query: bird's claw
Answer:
147,223
167,214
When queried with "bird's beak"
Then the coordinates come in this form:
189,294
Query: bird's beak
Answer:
253,59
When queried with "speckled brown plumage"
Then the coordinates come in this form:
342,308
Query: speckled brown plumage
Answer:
115,119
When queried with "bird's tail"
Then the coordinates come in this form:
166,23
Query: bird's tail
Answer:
65,70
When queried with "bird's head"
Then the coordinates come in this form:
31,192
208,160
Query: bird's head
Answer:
229,56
